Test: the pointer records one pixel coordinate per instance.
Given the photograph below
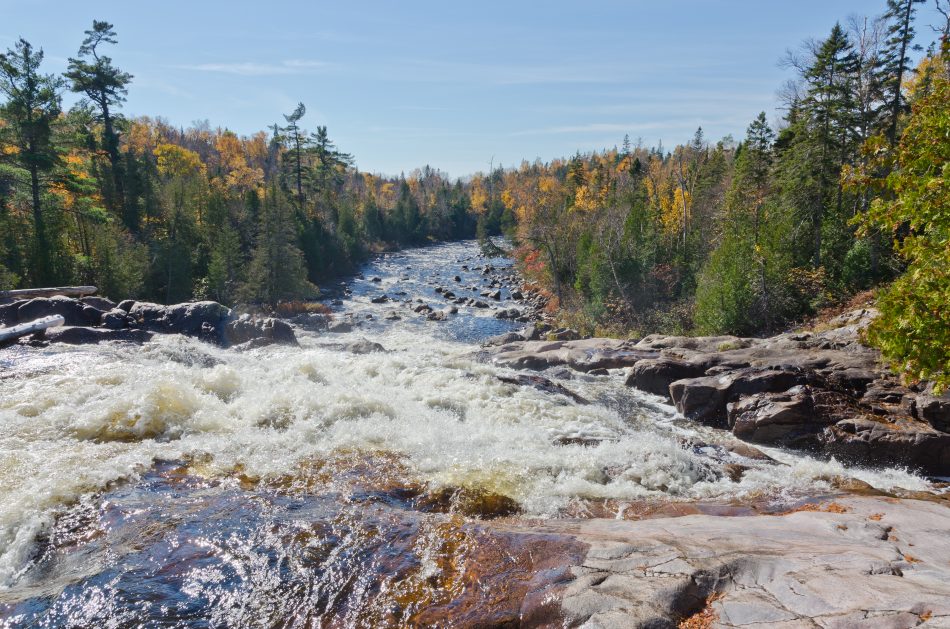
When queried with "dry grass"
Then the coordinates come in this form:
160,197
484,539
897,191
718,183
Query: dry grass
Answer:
705,618
292,308
831,507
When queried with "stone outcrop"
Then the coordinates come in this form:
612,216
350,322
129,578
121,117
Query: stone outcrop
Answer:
824,391
867,562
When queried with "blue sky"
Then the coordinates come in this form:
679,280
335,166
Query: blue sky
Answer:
450,84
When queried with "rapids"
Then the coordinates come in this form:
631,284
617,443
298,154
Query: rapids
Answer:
177,477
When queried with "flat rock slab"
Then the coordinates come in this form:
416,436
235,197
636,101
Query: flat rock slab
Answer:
859,561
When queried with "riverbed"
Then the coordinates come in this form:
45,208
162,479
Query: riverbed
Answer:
184,483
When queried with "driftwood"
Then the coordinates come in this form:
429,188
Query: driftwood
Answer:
30,293
15,332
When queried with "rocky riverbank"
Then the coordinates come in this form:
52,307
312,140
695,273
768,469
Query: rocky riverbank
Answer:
821,391
854,562
97,319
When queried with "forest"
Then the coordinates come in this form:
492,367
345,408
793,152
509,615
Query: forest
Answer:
846,192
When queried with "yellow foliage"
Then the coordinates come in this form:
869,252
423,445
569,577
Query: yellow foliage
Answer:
175,161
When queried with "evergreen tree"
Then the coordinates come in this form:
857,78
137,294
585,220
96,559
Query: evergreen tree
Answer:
32,107
276,271
896,61
92,74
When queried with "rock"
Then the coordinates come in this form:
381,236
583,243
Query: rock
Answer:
536,331
934,410
192,319
437,315
654,375
381,299
517,295
312,321
704,399
115,319
543,384
340,327
457,278
564,334
904,442
99,303
511,313
422,308
247,328
504,339
835,566
363,346
479,304
495,294
87,336
448,294
392,315
126,304
787,419
73,311
377,279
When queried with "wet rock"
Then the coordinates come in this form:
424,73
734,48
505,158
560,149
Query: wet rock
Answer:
479,304
193,319
437,315
340,327
381,299
126,304
471,502
457,278
392,315
91,336
363,346
543,384
246,328
510,313
517,295
448,294
377,279
312,321
895,441
422,309
495,294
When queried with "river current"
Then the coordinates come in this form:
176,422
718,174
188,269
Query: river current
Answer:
189,485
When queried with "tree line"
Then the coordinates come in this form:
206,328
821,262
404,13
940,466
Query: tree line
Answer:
143,209
848,192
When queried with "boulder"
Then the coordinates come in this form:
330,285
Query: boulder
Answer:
73,311
381,299
246,328
788,419
115,319
437,315
92,336
704,399
100,303
504,339
655,375
363,346
891,441
543,384
340,327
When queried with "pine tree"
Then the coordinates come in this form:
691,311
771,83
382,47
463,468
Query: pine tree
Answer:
896,60
277,271
92,74
32,107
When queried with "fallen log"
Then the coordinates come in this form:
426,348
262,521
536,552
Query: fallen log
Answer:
30,293
32,327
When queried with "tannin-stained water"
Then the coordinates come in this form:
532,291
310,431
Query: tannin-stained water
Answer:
193,485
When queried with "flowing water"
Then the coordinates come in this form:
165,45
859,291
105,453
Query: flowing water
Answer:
188,485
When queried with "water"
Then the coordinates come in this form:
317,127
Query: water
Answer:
183,483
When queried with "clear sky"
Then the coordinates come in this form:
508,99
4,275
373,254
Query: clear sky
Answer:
450,84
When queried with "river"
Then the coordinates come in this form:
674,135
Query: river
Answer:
189,485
